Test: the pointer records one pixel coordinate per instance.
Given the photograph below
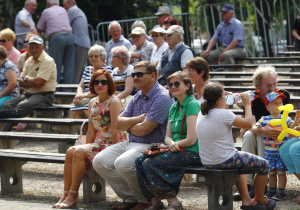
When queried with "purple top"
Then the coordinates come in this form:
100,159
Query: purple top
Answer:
156,104
54,19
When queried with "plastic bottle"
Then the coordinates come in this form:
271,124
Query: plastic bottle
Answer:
235,98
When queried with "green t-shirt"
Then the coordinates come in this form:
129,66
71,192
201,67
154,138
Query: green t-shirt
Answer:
190,106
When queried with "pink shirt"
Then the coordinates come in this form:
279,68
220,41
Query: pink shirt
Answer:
54,19
14,55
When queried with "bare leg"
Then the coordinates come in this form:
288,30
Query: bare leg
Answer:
260,183
78,114
156,201
243,190
273,178
297,175
174,201
77,170
282,179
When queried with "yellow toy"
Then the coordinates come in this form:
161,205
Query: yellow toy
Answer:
285,130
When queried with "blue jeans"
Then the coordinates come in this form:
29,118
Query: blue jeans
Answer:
290,154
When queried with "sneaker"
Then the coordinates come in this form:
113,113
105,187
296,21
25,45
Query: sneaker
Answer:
271,193
236,196
281,195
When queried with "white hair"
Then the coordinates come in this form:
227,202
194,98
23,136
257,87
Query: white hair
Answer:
139,23
28,1
263,71
53,2
99,49
112,23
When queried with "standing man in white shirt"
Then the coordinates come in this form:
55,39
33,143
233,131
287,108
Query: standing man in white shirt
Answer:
24,22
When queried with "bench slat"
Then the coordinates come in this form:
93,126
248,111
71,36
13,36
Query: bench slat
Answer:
39,136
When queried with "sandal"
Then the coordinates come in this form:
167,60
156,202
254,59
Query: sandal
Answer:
175,207
269,203
254,206
56,205
21,126
72,205
297,199
156,207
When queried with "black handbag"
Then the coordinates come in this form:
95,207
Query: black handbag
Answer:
11,113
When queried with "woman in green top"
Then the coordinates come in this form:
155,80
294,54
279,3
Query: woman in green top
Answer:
160,176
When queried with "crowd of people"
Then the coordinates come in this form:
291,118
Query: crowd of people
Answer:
166,102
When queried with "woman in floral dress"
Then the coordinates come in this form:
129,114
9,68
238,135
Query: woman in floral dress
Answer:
103,111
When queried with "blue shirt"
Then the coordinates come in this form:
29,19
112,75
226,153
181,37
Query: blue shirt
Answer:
3,81
19,27
225,34
79,24
110,44
156,104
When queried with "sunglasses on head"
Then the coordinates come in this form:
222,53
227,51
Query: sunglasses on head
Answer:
97,82
3,40
176,84
139,74
26,42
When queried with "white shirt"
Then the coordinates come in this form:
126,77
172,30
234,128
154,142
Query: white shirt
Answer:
156,54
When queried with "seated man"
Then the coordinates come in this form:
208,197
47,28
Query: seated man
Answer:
176,56
230,35
145,119
38,80
264,80
142,49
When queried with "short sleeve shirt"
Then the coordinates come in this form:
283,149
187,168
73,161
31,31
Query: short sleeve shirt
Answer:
44,68
225,34
122,77
189,107
3,80
19,27
156,104
145,51
14,55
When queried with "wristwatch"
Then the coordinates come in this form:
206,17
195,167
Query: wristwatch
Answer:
25,78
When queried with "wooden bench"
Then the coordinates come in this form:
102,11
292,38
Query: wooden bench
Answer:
239,89
249,80
267,58
64,97
240,67
215,74
290,53
219,184
11,162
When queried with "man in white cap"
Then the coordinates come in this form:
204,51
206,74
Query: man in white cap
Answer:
176,56
158,35
142,49
230,35
162,13
38,80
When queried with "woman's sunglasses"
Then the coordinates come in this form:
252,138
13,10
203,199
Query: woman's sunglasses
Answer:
176,84
97,82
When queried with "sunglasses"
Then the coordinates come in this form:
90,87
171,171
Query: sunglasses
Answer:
97,82
176,84
25,42
156,35
139,74
3,40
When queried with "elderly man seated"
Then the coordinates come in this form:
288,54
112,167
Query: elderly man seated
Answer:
176,56
38,80
142,49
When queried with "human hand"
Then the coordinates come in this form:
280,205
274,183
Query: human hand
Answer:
173,147
242,132
142,117
163,146
77,99
205,53
245,99
220,58
32,29
270,132
297,128
259,128
297,113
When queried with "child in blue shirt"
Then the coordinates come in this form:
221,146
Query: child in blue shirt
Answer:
272,101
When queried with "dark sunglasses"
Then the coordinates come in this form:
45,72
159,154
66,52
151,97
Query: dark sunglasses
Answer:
139,74
156,35
3,40
176,84
97,82
26,42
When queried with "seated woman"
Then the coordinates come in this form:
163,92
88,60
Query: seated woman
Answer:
122,71
290,154
7,39
8,77
97,56
169,21
198,71
217,150
158,35
103,112
182,143
24,56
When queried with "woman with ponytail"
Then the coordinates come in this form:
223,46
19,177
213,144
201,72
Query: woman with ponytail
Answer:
216,145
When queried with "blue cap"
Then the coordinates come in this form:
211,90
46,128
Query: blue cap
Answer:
272,96
226,8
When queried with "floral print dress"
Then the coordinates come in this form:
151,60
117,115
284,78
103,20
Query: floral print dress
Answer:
100,117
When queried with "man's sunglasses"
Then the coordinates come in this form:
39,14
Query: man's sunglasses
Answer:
176,84
97,82
3,40
139,74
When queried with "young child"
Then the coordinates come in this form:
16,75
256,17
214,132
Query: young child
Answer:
217,149
272,101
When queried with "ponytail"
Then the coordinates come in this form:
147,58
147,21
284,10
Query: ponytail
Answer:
212,92
204,107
